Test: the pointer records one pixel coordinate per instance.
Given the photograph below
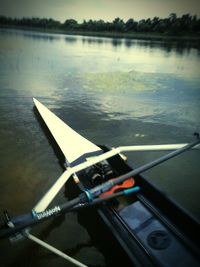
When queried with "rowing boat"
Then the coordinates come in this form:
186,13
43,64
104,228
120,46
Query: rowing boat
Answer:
150,227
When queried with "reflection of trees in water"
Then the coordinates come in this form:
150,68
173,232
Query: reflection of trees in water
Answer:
181,47
70,39
168,46
91,40
43,37
116,42
34,35
102,40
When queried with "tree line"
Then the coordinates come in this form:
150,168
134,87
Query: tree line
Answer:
172,25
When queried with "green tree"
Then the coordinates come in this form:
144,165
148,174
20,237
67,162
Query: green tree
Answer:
70,24
172,17
118,25
131,25
186,20
144,25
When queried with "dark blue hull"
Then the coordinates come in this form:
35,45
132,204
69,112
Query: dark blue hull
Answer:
151,228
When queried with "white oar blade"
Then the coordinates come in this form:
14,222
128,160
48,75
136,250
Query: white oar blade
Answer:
75,147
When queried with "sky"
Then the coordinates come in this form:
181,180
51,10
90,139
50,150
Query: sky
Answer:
107,10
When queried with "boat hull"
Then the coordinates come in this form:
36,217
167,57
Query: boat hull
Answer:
151,228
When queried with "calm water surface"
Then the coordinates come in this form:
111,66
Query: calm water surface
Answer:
114,92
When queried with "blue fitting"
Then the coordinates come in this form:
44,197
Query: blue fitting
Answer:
34,213
131,190
89,195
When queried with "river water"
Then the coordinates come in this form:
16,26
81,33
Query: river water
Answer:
112,91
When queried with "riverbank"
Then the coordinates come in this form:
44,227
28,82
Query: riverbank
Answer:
129,35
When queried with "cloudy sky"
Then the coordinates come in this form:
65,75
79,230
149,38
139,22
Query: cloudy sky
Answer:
98,9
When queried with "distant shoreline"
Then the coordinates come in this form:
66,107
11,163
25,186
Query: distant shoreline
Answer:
127,35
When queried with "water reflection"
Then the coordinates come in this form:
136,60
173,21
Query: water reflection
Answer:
41,36
71,39
116,42
30,34
93,40
179,47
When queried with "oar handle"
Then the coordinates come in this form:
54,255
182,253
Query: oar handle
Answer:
19,223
